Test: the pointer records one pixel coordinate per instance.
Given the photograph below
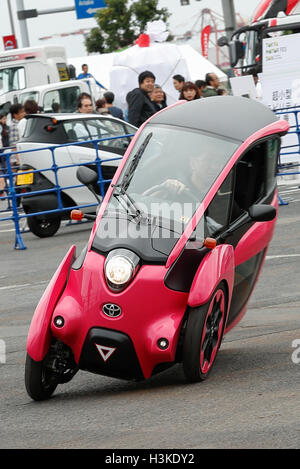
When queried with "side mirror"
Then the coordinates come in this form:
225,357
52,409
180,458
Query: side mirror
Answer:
72,72
86,175
223,41
262,212
259,212
236,52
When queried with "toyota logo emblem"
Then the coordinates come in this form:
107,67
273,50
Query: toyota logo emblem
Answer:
111,310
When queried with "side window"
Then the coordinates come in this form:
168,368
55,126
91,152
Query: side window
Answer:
272,154
76,131
255,175
114,129
218,212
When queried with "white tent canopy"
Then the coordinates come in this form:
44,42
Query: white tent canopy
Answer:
119,71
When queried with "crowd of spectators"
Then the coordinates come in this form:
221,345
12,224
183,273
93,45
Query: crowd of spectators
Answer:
149,97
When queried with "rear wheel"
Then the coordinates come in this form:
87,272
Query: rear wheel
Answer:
203,336
43,227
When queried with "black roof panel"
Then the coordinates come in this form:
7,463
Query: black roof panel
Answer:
230,116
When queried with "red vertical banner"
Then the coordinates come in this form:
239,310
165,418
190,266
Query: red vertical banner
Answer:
205,33
9,42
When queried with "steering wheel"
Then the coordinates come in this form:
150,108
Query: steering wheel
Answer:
166,192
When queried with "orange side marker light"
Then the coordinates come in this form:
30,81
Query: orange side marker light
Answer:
76,215
210,243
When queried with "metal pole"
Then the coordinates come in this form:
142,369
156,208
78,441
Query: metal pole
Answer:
11,18
229,17
23,25
56,10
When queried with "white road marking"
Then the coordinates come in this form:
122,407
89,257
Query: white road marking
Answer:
23,285
10,287
282,256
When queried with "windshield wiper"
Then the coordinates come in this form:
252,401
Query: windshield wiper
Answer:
135,161
122,188
136,211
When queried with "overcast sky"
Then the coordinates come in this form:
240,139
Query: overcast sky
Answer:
183,17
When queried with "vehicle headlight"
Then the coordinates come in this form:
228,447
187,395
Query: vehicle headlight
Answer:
120,268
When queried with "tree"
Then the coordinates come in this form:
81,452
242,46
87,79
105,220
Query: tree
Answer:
120,23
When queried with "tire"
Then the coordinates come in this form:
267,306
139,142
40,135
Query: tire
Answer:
39,381
43,227
203,336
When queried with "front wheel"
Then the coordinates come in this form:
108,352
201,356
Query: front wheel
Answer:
43,227
40,382
203,336
58,367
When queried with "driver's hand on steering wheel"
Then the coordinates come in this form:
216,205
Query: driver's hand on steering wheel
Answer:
174,186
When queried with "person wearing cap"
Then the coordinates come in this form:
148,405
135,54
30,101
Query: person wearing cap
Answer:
140,106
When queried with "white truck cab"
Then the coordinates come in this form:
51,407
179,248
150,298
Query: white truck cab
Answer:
57,97
30,67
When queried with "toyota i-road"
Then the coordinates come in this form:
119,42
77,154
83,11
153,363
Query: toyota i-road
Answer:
174,253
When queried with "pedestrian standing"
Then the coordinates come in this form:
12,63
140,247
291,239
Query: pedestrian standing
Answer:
84,104
201,85
178,82
212,82
190,91
158,97
30,107
17,113
113,110
101,106
140,106
4,130
85,74
4,142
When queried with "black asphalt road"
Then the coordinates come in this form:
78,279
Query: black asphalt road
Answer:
251,399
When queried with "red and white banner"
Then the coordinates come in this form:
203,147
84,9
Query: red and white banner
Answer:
205,33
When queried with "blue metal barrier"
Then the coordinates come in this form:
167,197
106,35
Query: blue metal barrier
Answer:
13,197
286,150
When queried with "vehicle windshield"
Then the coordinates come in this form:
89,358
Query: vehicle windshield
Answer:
170,170
12,79
34,95
61,99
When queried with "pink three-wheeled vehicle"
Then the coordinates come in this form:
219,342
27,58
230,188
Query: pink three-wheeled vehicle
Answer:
174,253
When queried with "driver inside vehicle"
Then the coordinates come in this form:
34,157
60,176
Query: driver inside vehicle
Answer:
192,187
190,191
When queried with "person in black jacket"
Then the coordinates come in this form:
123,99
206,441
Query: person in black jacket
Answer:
140,106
